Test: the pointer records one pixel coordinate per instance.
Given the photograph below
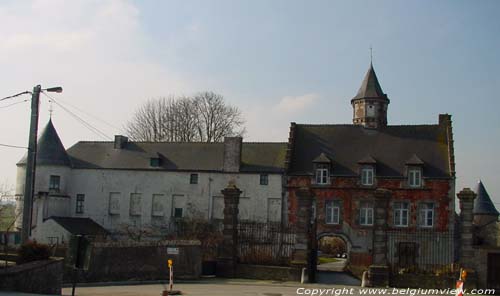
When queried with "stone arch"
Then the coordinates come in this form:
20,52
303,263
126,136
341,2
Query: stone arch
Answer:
342,236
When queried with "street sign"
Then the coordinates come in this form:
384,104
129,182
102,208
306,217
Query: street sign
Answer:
173,251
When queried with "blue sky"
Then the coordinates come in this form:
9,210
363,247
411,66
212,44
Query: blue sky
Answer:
279,61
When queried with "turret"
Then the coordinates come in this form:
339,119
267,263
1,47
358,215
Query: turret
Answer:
370,103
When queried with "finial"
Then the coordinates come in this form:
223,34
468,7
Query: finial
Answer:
51,109
371,55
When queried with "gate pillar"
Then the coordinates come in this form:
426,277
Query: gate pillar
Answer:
378,272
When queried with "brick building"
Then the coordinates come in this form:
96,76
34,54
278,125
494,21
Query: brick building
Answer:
343,165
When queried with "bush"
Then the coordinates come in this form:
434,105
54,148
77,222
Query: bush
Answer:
33,251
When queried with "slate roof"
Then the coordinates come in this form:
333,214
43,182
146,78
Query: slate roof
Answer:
50,150
193,156
370,87
483,204
391,146
84,226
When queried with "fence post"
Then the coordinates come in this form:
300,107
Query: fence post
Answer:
227,259
378,272
302,247
466,197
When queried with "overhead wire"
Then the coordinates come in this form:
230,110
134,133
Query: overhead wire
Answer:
90,127
16,95
13,146
9,105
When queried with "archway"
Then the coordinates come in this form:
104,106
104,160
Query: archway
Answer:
333,251
333,254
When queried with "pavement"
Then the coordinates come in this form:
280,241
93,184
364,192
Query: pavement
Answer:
338,265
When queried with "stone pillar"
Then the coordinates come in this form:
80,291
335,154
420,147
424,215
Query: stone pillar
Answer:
228,253
466,197
378,273
302,227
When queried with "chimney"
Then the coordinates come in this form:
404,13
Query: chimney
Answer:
232,154
444,119
120,141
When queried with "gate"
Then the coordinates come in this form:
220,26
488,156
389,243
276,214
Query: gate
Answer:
493,268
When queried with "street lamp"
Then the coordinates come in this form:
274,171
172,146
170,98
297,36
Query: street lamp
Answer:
29,185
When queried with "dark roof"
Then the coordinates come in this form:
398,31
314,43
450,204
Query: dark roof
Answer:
391,146
50,150
414,160
84,226
193,156
322,158
483,204
370,87
367,160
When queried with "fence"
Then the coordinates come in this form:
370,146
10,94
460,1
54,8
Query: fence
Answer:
265,243
421,251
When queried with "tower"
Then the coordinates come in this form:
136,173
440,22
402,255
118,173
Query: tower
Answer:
370,103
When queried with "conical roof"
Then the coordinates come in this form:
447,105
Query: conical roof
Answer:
483,204
50,150
370,87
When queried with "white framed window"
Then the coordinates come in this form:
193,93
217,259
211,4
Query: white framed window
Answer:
414,177
114,203
54,182
332,215
366,215
158,205
426,214
367,176
322,174
135,204
401,212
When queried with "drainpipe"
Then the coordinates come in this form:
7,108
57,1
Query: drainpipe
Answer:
210,198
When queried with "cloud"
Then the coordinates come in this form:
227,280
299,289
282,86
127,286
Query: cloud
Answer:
292,104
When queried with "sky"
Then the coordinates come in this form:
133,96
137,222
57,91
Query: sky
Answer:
278,61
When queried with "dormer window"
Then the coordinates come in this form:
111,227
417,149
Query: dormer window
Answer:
322,166
322,174
367,176
367,171
414,171
415,177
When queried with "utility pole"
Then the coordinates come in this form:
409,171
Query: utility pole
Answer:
29,185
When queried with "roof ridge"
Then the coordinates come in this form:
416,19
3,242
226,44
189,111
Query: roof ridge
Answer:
356,125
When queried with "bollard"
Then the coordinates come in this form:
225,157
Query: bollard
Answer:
170,290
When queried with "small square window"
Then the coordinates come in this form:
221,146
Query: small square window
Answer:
264,179
155,162
55,183
178,213
193,179
80,199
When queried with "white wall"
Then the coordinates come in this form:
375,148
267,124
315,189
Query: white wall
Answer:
50,229
97,185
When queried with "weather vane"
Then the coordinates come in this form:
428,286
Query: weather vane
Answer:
51,108
371,54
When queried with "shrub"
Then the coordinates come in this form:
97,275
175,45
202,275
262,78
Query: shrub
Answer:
33,251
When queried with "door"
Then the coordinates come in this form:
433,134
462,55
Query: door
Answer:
493,271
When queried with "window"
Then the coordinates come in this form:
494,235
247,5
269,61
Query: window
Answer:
366,215
158,205
322,174
135,204
114,203
332,215
415,177
155,162
426,214
193,179
178,213
401,211
54,183
367,175
80,199
264,179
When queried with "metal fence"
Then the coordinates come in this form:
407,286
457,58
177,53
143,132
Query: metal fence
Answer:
265,243
421,251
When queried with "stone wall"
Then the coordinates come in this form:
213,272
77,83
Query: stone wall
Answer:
263,272
43,277
123,261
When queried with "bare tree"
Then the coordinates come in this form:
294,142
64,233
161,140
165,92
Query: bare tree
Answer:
206,117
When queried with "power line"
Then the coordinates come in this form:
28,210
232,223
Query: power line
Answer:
61,101
13,146
7,106
81,120
16,95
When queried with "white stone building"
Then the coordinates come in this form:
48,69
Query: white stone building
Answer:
143,183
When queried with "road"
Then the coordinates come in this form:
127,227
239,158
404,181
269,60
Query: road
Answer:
338,265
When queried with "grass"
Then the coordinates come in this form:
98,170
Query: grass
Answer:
323,260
